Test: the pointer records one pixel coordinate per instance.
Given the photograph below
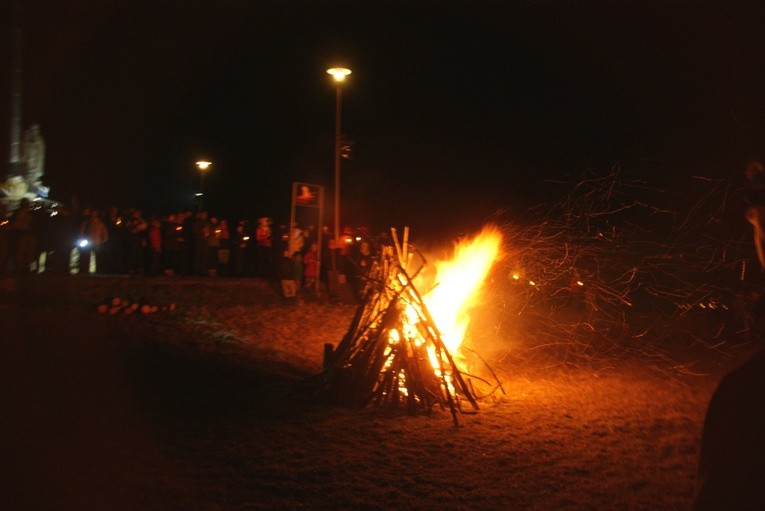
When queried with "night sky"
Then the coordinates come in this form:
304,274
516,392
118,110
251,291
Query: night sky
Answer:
457,110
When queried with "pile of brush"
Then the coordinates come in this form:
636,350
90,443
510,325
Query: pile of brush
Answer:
392,354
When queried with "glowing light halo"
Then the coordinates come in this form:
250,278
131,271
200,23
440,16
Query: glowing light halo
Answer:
339,73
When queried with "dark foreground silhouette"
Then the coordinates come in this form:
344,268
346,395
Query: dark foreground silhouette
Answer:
732,460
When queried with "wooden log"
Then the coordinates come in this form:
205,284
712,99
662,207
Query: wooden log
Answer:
405,248
397,245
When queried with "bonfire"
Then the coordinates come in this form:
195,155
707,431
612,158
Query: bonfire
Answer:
402,349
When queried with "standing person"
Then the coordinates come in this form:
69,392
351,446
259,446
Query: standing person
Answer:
172,240
201,233
326,254
286,269
136,242
263,247
94,233
154,241
296,243
362,263
311,266
754,199
239,249
44,227
112,250
731,471
188,244
224,247
5,239
22,237
213,244
309,236
64,230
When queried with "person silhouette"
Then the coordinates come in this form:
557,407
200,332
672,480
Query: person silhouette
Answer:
731,470
755,206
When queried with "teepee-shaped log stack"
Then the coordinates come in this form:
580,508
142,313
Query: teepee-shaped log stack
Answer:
392,354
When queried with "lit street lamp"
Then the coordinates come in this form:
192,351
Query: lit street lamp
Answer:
202,165
339,74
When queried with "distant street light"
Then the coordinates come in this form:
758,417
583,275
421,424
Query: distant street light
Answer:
339,74
202,165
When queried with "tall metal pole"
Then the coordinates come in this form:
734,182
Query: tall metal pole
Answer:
339,74
202,165
16,72
338,143
201,189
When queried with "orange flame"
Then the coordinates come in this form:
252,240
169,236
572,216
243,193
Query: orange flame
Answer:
458,282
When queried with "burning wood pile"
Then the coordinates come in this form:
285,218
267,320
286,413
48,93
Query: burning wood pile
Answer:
401,349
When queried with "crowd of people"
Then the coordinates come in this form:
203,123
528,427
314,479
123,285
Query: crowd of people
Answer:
128,242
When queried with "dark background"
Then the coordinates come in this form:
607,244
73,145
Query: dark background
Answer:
458,110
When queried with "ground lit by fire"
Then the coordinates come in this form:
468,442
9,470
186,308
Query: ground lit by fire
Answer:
195,408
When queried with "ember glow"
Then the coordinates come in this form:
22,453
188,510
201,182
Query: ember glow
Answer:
458,282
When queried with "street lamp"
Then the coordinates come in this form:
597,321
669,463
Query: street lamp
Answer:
339,74
202,165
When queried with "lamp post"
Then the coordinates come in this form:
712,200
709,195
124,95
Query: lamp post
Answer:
202,165
339,74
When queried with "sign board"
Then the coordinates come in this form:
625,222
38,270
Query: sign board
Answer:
308,209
